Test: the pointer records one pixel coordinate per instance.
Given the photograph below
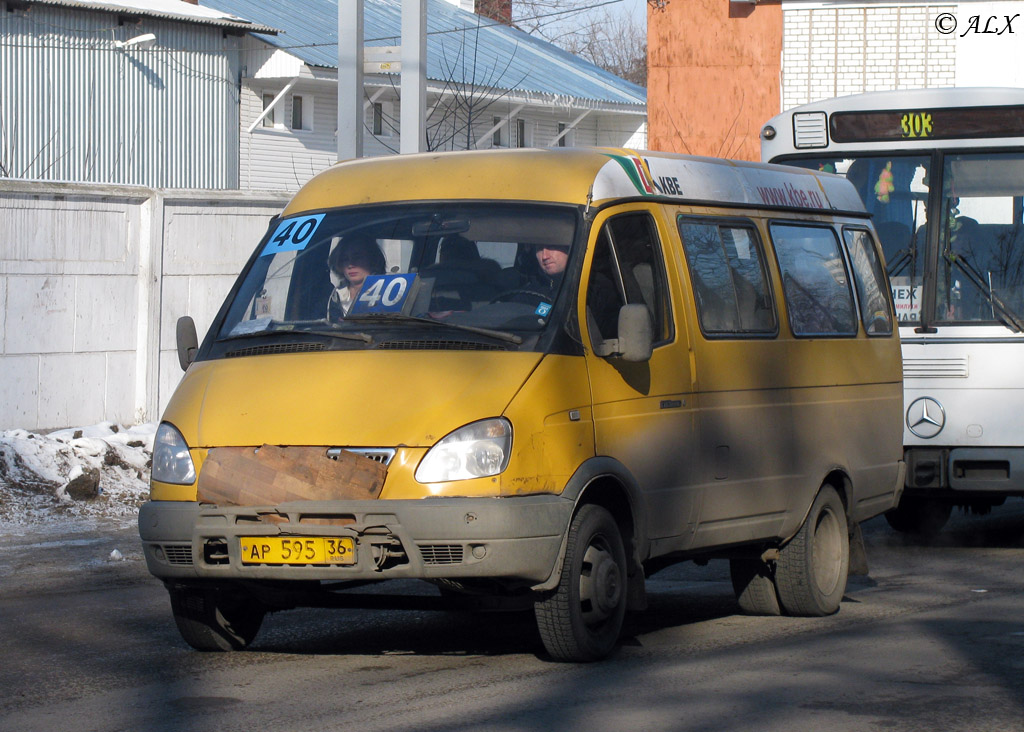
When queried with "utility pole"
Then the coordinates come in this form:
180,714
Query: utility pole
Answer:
413,120
350,79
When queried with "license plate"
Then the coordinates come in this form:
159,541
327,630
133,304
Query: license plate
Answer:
298,550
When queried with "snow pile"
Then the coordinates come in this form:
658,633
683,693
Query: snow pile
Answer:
90,473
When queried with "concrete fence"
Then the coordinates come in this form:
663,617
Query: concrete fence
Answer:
92,281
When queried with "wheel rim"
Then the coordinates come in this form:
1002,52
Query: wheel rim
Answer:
601,584
827,552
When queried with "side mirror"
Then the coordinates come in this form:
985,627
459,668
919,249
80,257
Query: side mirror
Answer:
188,341
636,336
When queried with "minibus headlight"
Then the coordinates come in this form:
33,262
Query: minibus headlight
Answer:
478,450
171,460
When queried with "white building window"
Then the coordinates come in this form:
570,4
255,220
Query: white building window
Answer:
275,118
524,133
564,140
382,119
302,112
496,138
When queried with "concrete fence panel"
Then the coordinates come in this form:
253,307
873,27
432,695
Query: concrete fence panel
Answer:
92,281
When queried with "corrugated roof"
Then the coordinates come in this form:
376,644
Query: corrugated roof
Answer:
505,58
166,9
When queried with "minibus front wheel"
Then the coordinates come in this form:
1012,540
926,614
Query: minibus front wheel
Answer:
210,618
812,568
582,618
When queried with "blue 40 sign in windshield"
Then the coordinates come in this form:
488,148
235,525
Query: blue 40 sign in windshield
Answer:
384,294
293,234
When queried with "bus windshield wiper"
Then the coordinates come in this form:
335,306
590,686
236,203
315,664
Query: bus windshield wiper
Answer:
400,317
1004,312
897,263
255,329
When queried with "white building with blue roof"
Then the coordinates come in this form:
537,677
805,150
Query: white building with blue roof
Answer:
242,94
488,85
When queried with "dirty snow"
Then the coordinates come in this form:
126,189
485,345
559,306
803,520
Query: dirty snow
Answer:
73,479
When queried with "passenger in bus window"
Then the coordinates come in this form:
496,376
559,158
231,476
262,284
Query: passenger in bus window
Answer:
352,260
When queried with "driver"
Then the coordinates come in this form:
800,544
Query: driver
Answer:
552,261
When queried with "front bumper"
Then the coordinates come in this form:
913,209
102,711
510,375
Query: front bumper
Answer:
514,538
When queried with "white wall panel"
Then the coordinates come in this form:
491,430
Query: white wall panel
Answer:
19,391
3,312
106,313
118,399
40,314
85,339
72,387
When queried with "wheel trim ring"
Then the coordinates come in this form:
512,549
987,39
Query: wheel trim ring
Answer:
826,552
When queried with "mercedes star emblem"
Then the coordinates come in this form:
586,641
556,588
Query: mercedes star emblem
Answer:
926,417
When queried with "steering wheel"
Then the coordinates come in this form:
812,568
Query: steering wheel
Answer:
509,294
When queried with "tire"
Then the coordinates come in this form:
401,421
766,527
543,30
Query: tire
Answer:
581,620
920,517
754,587
812,568
210,619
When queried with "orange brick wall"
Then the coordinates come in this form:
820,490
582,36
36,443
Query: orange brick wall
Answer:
713,76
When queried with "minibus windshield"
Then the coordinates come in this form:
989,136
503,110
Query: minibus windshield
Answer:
492,270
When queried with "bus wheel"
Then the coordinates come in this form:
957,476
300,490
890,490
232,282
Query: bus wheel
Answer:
919,516
752,582
210,619
812,568
581,619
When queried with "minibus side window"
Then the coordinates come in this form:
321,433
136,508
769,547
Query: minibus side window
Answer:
815,281
627,269
729,278
867,273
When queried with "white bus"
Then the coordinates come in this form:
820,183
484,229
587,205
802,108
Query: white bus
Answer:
942,173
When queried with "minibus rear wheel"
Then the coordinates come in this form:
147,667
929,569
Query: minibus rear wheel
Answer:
212,619
754,587
812,568
582,618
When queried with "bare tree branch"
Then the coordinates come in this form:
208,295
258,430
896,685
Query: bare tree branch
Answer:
613,42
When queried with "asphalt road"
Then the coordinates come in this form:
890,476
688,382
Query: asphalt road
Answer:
932,639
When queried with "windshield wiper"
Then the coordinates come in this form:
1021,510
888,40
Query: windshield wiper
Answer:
316,327
1005,314
400,317
898,262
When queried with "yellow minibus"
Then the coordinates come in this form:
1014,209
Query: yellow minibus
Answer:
535,377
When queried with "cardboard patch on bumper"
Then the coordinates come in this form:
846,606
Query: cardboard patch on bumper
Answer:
269,475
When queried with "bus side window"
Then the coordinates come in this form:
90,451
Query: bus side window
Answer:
867,273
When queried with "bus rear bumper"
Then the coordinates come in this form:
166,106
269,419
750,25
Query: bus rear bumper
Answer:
963,470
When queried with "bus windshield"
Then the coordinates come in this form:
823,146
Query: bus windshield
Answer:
981,241
494,270
980,237
894,189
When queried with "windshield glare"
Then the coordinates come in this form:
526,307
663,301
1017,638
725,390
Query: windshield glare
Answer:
487,266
